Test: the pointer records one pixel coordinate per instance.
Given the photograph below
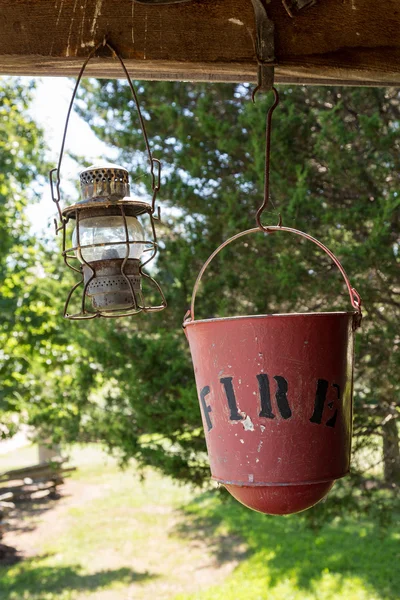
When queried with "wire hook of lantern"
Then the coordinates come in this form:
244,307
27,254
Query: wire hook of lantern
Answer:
155,164
137,304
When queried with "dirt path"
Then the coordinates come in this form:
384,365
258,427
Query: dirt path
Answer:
31,523
167,564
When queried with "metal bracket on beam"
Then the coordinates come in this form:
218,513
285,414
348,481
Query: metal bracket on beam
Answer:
293,6
265,48
159,1
290,5
264,42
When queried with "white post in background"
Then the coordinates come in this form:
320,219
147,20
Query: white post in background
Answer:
48,453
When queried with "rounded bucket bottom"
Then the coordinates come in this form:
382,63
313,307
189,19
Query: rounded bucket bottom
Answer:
280,499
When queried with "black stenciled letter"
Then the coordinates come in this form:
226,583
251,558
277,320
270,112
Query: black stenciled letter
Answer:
319,403
230,395
206,408
332,421
281,397
265,396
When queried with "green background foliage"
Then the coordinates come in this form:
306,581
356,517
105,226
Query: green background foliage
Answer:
334,173
334,168
21,156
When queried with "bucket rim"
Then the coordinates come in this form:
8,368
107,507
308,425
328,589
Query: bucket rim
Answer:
350,313
278,484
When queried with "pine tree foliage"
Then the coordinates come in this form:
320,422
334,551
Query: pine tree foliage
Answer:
334,173
21,155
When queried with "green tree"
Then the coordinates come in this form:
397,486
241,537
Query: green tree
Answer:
21,164
44,376
334,173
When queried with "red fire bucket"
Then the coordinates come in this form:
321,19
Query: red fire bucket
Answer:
275,395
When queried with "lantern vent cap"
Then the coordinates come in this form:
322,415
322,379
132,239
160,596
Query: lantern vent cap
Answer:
104,180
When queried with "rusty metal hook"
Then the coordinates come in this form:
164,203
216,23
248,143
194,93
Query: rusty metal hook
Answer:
265,80
264,48
268,128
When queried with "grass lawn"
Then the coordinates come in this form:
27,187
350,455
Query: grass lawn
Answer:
287,560
113,537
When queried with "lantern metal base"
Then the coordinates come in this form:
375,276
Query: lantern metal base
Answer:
112,285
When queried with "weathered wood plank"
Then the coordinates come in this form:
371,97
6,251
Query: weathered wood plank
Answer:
349,41
24,491
52,467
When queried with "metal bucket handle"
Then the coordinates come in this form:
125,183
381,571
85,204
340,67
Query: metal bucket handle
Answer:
355,298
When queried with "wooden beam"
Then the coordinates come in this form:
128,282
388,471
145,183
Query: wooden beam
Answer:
354,42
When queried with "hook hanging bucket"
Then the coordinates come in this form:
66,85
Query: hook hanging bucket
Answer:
275,395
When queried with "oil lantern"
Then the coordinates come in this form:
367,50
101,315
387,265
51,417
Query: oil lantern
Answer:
275,393
103,239
110,244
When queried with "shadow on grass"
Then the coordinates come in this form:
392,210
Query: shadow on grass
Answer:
31,581
282,547
27,513
210,529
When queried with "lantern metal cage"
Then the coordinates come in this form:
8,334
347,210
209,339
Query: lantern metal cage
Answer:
109,248
110,279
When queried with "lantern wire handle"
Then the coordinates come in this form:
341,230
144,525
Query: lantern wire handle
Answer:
268,129
155,164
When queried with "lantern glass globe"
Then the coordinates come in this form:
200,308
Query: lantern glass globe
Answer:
108,230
